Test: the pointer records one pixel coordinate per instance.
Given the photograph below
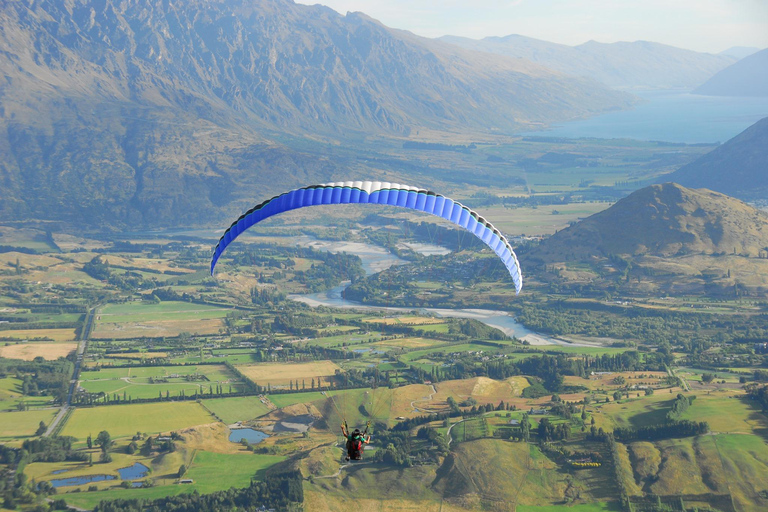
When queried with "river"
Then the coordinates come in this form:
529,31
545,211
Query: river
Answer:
375,259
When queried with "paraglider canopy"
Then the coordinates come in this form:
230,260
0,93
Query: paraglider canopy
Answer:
377,192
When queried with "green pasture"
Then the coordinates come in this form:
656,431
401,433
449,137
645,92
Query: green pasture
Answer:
349,339
146,390
284,400
462,347
635,412
590,351
10,396
44,317
214,373
20,425
727,412
241,408
216,471
745,466
170,310
438,328
696,373
126,420
9,387
210,471
540,220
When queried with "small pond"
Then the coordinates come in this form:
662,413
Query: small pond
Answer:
60,471
371,350
250,435
80,480
134,472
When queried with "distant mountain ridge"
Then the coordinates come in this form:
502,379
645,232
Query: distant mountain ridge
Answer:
740,51
639,64
135,112
747,77
738,167
662,220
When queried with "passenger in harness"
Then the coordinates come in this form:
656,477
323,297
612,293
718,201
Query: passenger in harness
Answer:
355,442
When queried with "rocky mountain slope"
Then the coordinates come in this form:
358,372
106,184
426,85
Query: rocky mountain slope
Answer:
137,112
663,220
639,64
738,168
747,77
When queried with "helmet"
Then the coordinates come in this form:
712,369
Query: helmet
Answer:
357,431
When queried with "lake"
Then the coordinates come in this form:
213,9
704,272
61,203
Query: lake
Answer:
249,434
671,116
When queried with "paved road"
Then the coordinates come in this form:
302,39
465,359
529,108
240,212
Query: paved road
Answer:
84,335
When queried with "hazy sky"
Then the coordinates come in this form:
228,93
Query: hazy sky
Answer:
702,25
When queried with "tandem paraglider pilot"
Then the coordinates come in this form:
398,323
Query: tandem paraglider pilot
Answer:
355,441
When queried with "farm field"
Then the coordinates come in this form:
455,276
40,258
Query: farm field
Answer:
19,425
212,373
11,397
482,389
155,381
210,472
29,351
234,409
745,464
404,468
126,420
727,411
137,319
281,374
38,334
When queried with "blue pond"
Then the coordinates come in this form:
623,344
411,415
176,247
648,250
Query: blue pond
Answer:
133,472
80,480
250,435
372,351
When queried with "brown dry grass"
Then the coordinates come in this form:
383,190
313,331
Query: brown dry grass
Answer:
403,396
482,389
29,351
30,334
149,264
318,501
283,373
28,260
158,328
407,343
406,320
213,437
606,381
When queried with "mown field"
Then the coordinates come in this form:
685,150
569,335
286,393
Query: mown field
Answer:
19,425
126,420
281,374
168,318
155,381
231,410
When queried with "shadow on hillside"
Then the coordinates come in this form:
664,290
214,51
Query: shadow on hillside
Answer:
655,416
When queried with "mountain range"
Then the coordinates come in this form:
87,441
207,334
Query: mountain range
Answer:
135,112
747,77
737,168
628,65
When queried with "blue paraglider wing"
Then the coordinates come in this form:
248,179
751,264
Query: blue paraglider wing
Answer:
376,192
